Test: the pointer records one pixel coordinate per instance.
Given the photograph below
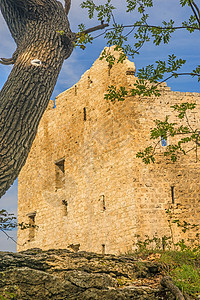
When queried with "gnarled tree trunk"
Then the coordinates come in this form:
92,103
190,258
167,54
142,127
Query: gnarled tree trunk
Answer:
41,31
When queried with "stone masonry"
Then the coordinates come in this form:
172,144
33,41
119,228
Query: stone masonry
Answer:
82,184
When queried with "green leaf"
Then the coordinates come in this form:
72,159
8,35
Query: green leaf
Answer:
104,12
147,155
114,94
141,4
182,108
184,2
143,88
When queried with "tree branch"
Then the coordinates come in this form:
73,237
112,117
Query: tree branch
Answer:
176,74
153,26
197,10
7,61
187,120
153,87
67,6
8,236
198,143
149,26
161,28
196,16
89,30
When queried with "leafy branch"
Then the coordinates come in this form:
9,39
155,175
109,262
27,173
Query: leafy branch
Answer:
8,223
144,32
165,129
148,78
7,220
114,94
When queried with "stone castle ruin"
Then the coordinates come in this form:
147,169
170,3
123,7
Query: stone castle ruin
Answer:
82,185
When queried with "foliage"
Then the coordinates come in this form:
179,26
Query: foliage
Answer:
147,155
165,129
184,268
82,38
182,263
142,88
153,74
114,94
142,31
185,227
7,220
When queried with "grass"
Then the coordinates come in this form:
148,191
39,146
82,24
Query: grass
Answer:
184,269
182,266
187,279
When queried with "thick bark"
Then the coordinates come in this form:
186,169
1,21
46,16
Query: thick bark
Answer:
67,6
37,27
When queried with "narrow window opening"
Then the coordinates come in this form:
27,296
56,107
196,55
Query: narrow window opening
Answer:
60,173
130,72
32,226
84,114
65,204
163,142
102,202
172,194
75,90
89,82
109,69
103,249
164,243
74,247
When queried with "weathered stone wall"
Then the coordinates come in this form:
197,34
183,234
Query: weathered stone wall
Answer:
105,196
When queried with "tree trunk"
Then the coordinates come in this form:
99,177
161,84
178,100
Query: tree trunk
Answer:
41,31
168,283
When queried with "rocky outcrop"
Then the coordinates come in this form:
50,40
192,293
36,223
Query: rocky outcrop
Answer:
61,274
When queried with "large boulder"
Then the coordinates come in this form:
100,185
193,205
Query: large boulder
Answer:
61,274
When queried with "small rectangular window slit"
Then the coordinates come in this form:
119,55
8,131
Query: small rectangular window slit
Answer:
103,249
32,226
75,90
172,194
84,114
102,202
89,82
60,173
109,69
65,204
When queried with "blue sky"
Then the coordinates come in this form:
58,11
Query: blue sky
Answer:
183,44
